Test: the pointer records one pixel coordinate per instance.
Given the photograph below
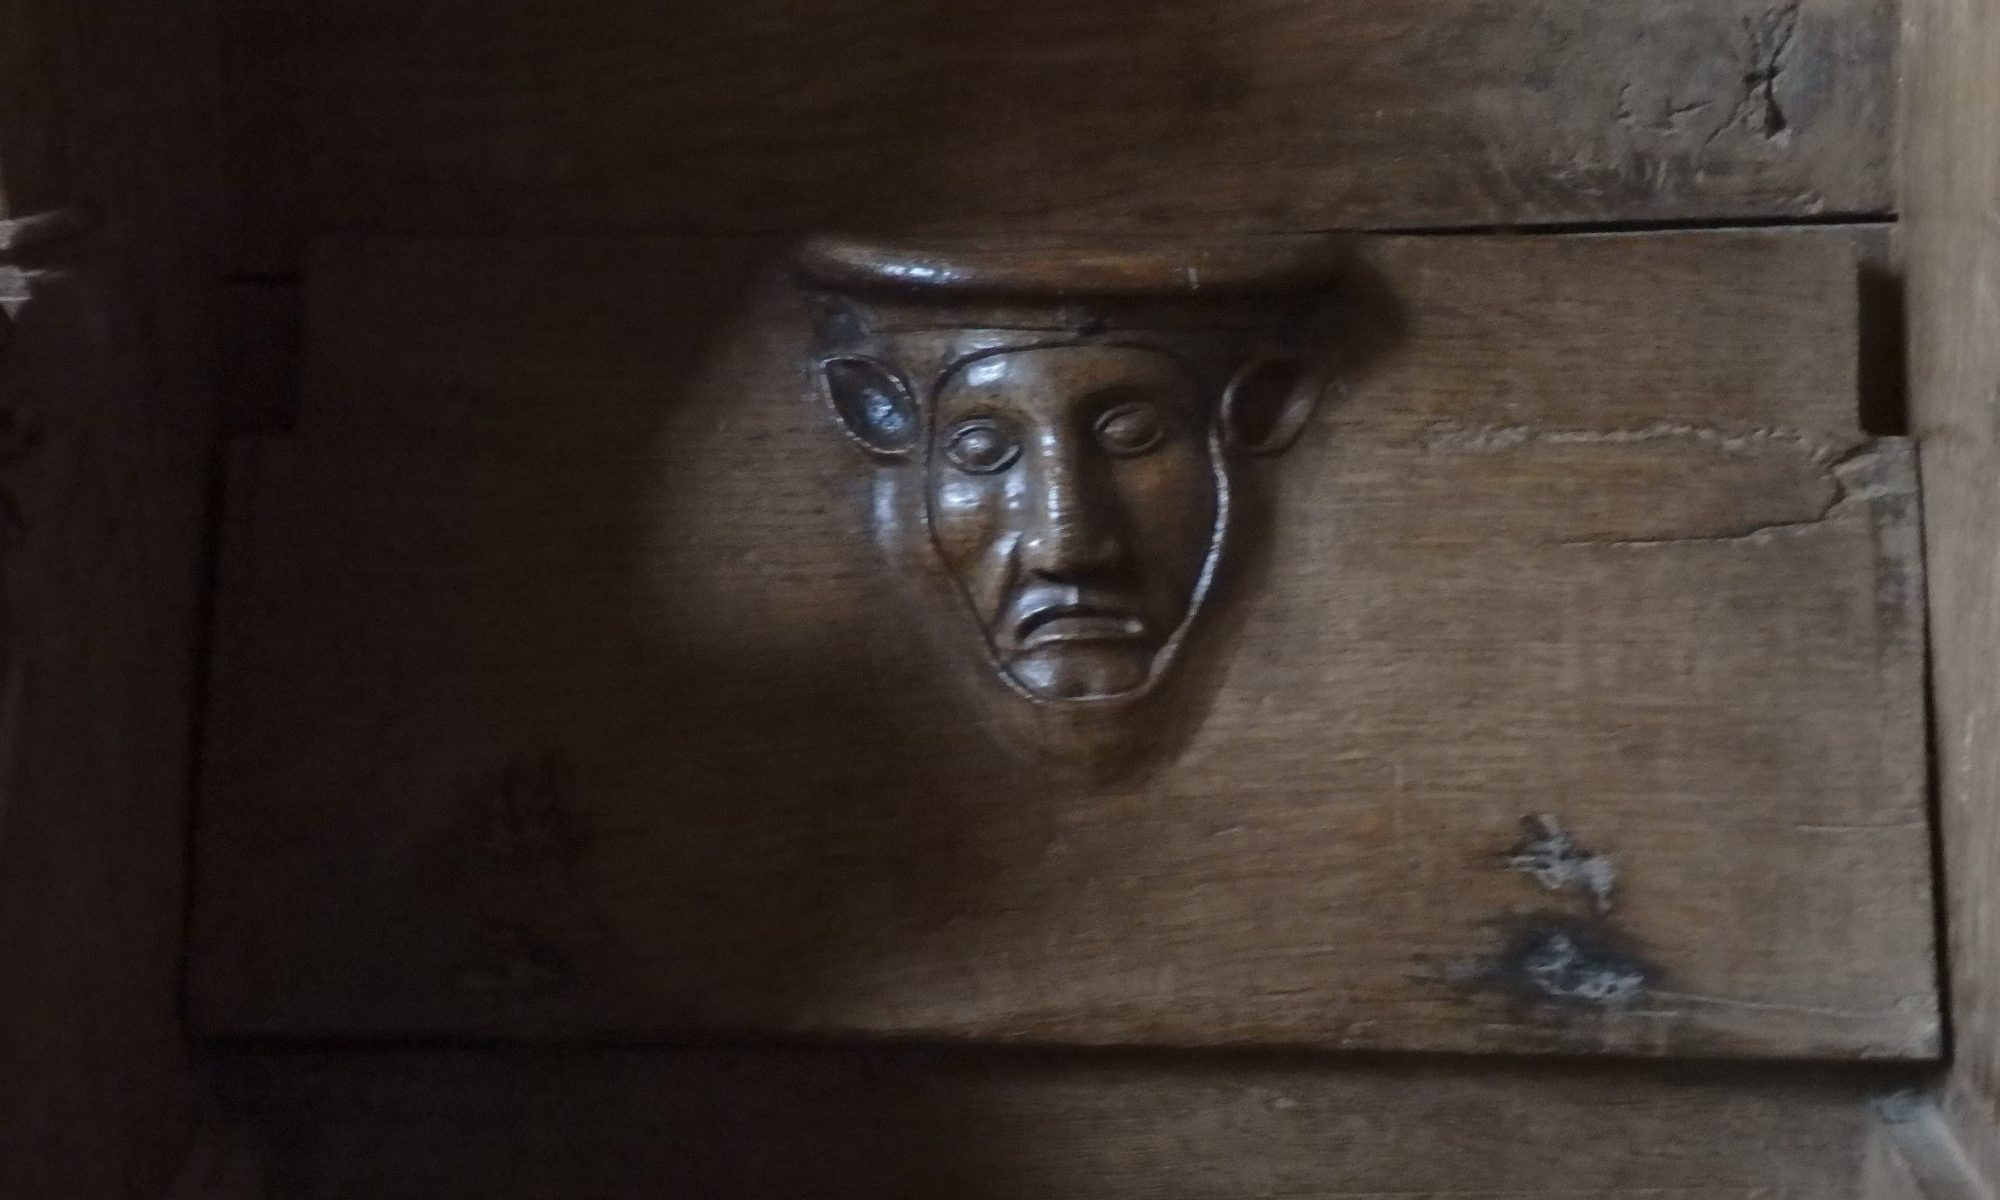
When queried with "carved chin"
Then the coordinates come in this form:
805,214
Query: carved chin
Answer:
1087,671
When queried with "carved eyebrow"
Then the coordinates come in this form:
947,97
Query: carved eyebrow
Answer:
1124,392
965,363
1182,388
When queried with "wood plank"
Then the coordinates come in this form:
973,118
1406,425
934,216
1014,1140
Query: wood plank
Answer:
104,109
102,508
1952,241
543,116
561,691
745,1124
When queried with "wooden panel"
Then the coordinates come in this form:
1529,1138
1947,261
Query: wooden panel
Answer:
738,1125
1953,261
548,116
562,693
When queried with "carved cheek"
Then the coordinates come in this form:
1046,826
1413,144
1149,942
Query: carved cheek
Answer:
969,519
1170,503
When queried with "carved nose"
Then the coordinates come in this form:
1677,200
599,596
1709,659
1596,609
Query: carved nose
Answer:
1071,528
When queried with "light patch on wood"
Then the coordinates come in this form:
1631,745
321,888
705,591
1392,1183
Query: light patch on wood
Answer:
1551,856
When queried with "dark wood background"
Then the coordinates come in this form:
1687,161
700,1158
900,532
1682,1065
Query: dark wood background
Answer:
106,432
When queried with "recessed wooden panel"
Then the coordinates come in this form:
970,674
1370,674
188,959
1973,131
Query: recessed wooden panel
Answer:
548,116
1572,704
754,1124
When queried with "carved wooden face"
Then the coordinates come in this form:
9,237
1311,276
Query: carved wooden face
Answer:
1061,498
1076,500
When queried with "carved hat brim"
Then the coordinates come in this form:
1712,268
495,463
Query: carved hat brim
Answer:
1056,269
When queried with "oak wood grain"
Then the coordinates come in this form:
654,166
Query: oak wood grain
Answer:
561,694
550,117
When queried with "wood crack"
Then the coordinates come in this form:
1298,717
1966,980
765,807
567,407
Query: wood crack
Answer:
1772,37
1857,474
1858,477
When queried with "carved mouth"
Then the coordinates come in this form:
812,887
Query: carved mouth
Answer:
1066,623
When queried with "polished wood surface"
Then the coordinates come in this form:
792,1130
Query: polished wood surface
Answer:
1041,116
1101,266
561,694
1060,446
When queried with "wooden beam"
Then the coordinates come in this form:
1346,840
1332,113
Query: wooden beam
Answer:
539,116
1952,196
858,1123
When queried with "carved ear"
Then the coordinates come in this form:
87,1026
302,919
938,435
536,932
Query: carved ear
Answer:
1266,406
874,405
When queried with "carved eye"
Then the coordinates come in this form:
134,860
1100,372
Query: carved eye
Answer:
982,446
1131,429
